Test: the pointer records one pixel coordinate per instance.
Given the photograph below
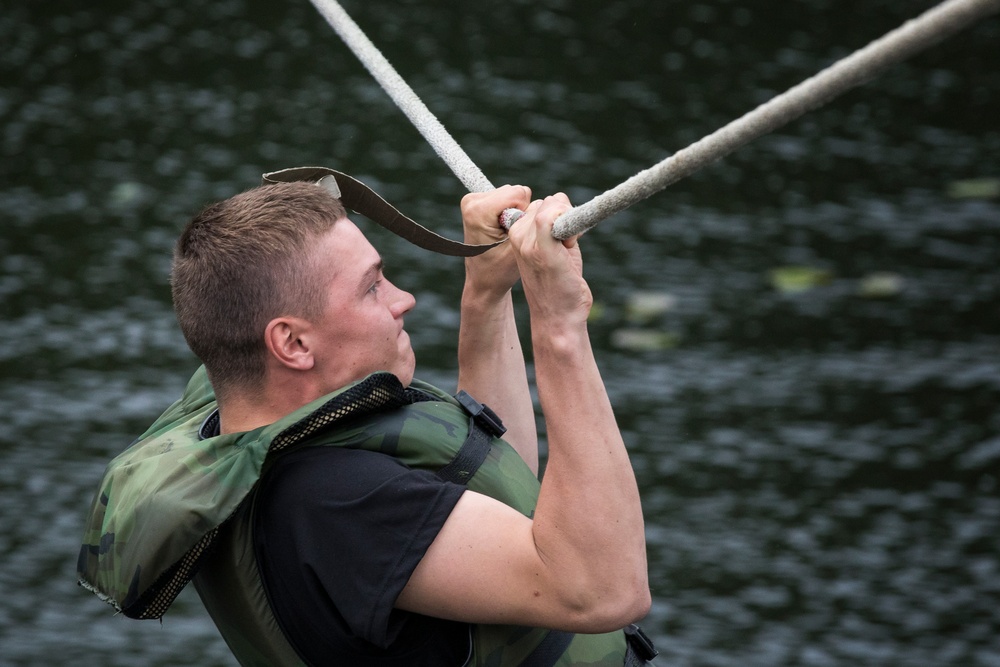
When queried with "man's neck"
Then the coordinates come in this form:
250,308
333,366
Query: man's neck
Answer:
240,416
242,413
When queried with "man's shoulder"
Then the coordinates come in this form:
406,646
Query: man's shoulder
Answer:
323,477
320,460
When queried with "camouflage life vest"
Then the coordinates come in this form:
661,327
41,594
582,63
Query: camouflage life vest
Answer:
174,505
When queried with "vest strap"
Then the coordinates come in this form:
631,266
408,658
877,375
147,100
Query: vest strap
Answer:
549,650
640,645
482,414
484,425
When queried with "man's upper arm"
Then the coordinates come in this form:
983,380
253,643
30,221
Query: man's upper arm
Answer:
484,567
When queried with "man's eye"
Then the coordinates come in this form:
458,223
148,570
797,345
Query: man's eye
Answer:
374,288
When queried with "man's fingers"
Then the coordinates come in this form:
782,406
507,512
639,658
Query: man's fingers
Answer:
509,216
496,208
551,208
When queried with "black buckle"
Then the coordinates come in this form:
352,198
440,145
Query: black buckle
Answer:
482,414
640,643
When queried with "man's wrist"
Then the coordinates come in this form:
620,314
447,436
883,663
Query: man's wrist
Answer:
559,339
483,299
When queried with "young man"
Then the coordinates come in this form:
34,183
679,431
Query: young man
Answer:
357,557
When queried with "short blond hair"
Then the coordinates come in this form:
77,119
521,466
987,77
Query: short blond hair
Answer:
239,264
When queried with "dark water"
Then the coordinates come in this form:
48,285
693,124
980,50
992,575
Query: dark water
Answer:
819,467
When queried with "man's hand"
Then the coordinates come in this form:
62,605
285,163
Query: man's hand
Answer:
551,270
493,273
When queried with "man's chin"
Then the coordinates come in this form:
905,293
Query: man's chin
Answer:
407,371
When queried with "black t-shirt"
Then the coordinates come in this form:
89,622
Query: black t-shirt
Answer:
337,534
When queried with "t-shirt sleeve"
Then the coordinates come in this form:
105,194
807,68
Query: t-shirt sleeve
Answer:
340,531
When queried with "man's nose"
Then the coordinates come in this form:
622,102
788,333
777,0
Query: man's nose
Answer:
403,302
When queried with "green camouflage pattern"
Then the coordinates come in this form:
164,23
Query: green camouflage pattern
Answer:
163,499
506,646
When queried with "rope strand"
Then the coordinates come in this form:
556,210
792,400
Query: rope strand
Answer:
426,122
912,37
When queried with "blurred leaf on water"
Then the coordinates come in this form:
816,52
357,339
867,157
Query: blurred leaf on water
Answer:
642,307
974,188
644,340
881,285
796,279
597,311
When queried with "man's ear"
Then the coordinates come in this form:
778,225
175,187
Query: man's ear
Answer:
287,344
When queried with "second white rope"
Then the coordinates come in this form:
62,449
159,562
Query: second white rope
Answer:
912,37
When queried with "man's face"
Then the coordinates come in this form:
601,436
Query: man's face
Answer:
361,325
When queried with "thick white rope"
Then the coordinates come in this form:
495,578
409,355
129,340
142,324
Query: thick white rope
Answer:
912,37
426,122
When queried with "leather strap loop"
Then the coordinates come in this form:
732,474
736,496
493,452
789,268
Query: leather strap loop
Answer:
357,196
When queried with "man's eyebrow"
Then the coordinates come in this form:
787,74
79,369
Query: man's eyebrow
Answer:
369,276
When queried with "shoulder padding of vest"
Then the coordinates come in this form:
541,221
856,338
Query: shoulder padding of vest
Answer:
150,523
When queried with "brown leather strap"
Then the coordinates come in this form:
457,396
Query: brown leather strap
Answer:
357,196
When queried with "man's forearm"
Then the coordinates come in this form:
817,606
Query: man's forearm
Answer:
491,367
589,513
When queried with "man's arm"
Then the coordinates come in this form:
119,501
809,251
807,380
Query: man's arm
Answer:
580,563
490,361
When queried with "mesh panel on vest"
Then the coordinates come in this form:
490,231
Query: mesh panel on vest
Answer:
376,392
155,602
